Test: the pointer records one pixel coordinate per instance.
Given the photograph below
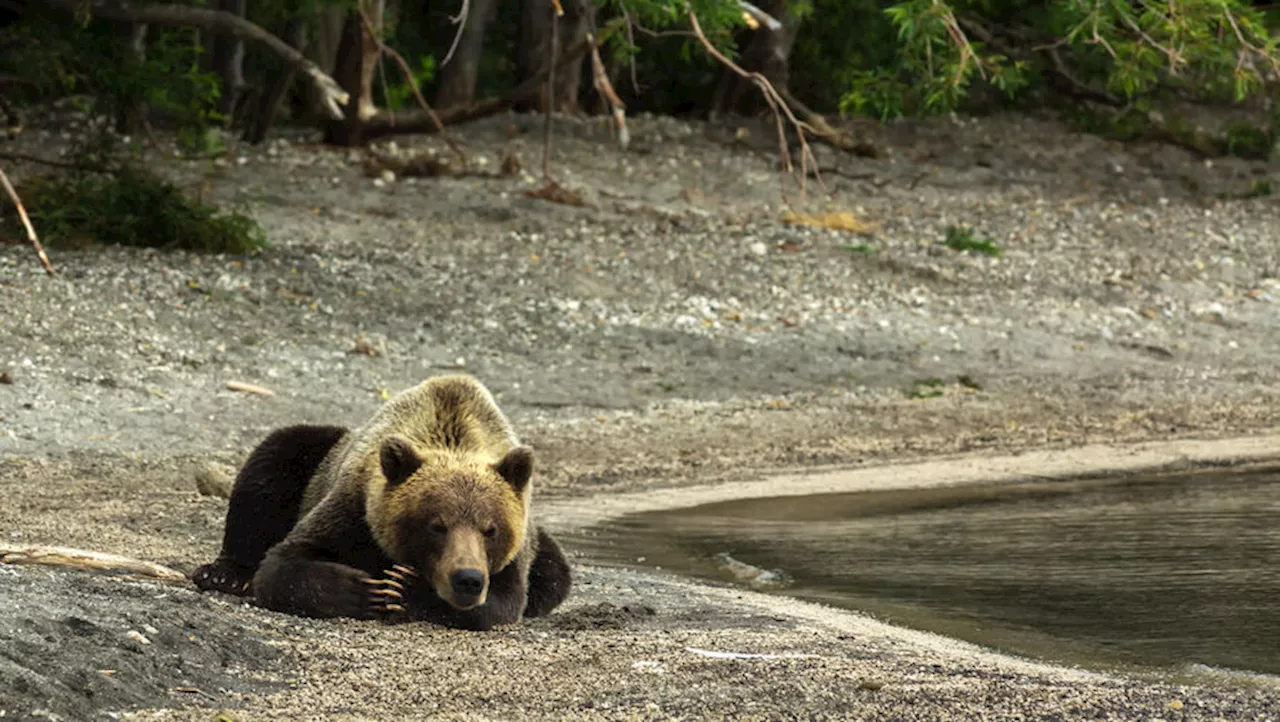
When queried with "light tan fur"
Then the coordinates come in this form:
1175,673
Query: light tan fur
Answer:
454,426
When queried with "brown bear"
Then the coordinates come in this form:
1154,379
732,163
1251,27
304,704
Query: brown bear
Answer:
422,513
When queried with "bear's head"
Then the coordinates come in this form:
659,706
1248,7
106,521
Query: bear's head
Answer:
453,517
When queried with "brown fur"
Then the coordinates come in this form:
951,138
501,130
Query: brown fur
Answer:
436,481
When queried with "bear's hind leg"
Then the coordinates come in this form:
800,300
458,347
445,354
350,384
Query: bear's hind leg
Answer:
265,503
549,577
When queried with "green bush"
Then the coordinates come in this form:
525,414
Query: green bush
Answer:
133,207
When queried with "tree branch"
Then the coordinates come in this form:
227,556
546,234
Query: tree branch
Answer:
26,222
385,49
215,21
461,22
779,108
384,124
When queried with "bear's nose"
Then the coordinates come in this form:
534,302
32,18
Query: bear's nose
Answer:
467,583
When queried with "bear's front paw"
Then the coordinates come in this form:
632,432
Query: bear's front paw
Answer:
388,593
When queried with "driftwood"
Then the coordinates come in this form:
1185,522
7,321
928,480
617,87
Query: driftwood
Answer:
249,388
85,560
216,21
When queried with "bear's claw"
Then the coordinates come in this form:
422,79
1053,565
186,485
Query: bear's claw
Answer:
387,594
223,576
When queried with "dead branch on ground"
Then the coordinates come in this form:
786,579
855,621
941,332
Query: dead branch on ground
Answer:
216,21
385,49
84,560
26,222
779,108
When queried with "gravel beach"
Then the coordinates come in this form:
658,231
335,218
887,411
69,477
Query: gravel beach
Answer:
675,336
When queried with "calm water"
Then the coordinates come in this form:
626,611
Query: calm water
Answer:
1162,572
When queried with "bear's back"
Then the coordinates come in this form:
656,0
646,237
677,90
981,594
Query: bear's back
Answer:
452,414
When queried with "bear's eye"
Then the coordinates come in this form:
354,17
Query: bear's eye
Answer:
438,528
492,531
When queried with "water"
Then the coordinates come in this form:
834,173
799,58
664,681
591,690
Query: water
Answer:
1159,573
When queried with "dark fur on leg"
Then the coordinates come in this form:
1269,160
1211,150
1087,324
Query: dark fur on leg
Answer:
549,577
327,567
265,502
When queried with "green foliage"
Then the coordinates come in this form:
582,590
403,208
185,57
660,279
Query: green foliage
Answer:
840,44
134,208
400,95
926,389
676,74
1248,141
1221,48
961,238
91,62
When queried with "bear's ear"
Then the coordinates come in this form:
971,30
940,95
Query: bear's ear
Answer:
516,467
399,460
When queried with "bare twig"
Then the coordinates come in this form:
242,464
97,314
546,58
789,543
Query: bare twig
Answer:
461,21
26,222
85,560
779,108
217,21
413,83
600,80
556,12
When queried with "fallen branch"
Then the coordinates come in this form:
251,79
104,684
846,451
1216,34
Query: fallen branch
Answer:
249,388
779,108
220,22
384,124
26,222
84,560
413,83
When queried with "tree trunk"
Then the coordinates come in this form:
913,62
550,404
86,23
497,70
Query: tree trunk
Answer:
457,83
768,52
228,62
354,67
277,85
331,18
132,112
535,38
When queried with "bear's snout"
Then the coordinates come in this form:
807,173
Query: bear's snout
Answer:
467,585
